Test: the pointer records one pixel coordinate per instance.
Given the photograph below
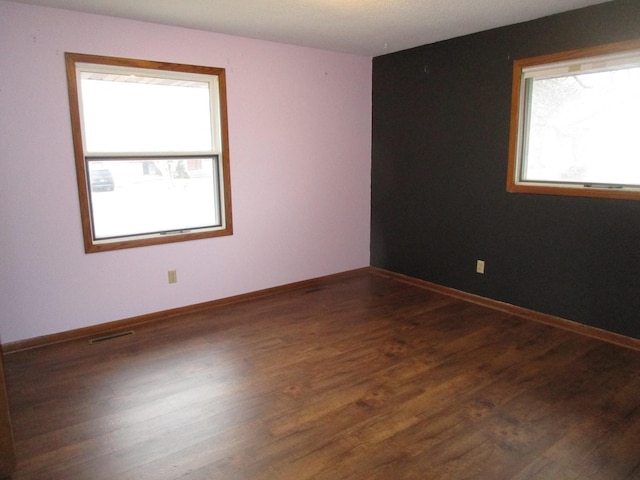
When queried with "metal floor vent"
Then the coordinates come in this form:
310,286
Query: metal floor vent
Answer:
315,289
111,336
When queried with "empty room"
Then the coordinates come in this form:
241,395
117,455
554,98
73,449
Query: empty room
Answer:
320,239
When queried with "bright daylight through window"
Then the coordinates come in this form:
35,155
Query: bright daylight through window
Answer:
151,148
575,123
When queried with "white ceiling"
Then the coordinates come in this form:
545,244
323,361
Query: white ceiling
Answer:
363,27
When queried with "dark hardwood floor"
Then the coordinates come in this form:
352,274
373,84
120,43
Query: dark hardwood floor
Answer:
360,377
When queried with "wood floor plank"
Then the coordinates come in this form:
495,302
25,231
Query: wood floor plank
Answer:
361,377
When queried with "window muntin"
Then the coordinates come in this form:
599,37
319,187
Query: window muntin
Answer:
574,123
151,148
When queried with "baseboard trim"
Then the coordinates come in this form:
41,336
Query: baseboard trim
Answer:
128,323
125,324
558,322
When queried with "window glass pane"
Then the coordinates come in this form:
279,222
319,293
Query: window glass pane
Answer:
583,128
133,113
136,197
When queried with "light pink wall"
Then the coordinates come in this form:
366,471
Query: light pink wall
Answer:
300,141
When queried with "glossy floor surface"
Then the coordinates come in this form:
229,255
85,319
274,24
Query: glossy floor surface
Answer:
360,377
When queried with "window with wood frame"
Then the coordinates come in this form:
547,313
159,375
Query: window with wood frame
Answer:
151,151
575,120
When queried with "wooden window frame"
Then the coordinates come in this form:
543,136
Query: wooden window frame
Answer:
224,181
514,183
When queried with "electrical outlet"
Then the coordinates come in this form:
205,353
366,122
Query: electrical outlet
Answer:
480,266
173,276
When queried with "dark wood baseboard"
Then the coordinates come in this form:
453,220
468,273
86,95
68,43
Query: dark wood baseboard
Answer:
104,329
125,324
593,332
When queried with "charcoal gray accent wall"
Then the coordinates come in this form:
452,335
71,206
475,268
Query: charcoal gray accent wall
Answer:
440,144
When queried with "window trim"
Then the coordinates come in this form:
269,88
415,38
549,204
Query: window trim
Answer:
517,92
92,245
